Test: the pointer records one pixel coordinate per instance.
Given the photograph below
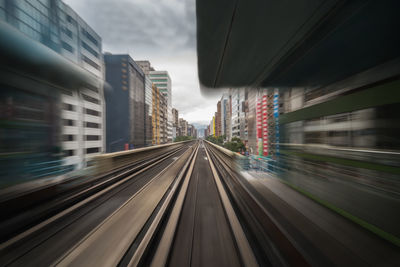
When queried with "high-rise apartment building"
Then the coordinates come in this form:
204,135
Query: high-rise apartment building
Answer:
163,105
57,26
125,103
175,123
224,114
218,120
183,125
163,82
251,118
235,118
148,106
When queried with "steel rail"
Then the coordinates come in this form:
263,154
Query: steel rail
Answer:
163,249
84,245
183,176
242,243
110,184
268,234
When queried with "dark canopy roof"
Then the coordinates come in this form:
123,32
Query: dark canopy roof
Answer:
290,43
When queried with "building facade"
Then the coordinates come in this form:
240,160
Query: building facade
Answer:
218,120
155,119
125,103
183,125
175,123
163,107
163,82
148,106
57,26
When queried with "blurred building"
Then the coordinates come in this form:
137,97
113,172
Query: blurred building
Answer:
155,119
218,120
163,82
192,131
183,127
125,103
212,126
224,114
175,123
148,111
58,27
251,118
163,107
146,67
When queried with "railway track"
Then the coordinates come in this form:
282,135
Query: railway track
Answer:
186,207
80,211
22,212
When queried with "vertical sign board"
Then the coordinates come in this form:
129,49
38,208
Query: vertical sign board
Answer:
276,116
259,126
265,125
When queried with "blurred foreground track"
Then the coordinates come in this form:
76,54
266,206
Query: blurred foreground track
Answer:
188,206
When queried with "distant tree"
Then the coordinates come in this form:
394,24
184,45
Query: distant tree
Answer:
235,145
183,138
218,140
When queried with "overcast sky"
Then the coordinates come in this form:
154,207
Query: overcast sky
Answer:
161,31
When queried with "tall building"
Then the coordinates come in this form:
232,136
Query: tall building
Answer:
125,103
163,82
163,105
155,115
229,118
224,114
148,111
183,127
57,26
175,122
192,131
218,120
235,119
251,118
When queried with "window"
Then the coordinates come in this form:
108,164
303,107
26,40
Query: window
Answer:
90,62
66,92
92,112
92,137
90,37
71,20
69,107
91,50
67,47
68,122
159,80
92,125
69,153
92,150
91,87
67,32
90,99
68,137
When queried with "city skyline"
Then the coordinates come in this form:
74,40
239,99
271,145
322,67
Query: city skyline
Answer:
169,43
